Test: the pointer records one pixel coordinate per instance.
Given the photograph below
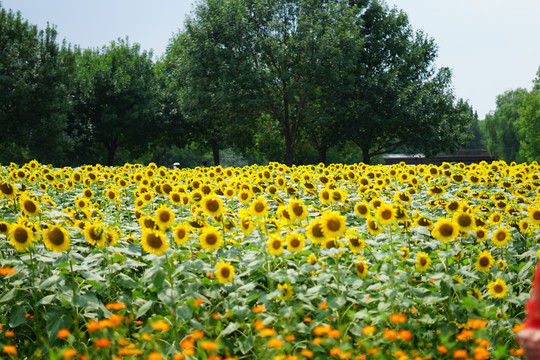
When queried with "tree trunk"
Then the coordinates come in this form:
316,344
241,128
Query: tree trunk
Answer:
215,152
322,153
111,151
366,156
289,148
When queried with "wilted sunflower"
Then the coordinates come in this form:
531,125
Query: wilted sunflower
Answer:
94,232
210,239
298,210
56,238
164,217
464,221
422,261
445,230
259,208
362,209
224,272
498,288
333,224
181,233
295,242
361,267
20,237
484,262
212,205
500,237
275,246
385,214
29,206
154,242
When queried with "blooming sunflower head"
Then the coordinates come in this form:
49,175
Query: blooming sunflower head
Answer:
498,288
464,221
164,217
259,208
361,267
154,242
56,238
445,230
295,242
210,239
362,209
422,261
30,207
298,210
181,233
385,214
21,237
333,224
225,272
484,262
212,205
500,237
275,246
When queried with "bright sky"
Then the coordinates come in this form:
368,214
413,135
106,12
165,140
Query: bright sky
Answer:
490,45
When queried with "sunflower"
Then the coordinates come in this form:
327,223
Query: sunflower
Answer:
315,231
164,217
8,190
148,222
94,232
244,196
500,237
56,238
210,239
212,205
452,206
259,207
295,242
20,237
464,220
196,196
361,267
362,209
534,215
154,242
436,191
403,252
246,225
88,193
298,210
481,234
356,244
181,233
422,261
445,230
337,195
284,214
325,196
333,224
524,226
224,272
373,227
29,206
110,239
385,214
500,264
484,262
275,246
498,288
175,198
4,228
423,222
495,218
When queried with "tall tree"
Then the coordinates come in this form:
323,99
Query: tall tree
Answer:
116,98
502,132
241,59
529,123
398,97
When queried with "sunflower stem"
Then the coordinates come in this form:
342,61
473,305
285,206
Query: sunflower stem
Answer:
74,289
170,264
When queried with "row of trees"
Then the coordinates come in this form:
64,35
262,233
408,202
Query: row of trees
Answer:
512,131
282,80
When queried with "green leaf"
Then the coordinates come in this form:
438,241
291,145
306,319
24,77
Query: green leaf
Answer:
169,296
50,282
126,282
17,317
246,344
184,312
144,308
229,329
9,295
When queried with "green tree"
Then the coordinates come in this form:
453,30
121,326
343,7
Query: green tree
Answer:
398,99
240,59
502,130
529,123
116,102
35,73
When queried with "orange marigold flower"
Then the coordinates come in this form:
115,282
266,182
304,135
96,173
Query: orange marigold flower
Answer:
129,351
307,353
335,351
414,310
179,356
275,343
442,349
216,316
102,343
465,335
115,306
9,349
334,333
317,340
267,332
323,305
290,338
322,329
196,335
189,352
481,353
155,356
122,342
518,327
390,334
161,325
405,334
368,330
115,320
307,319
460,354
198,302
187,344
69,353
5,271
209,345
63,333
398,318
259,309
146,337
213,357
93,325
9,334
477,323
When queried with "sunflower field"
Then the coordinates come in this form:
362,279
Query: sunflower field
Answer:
267,262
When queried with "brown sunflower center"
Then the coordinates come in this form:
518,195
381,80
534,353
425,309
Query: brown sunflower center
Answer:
211,239
93,234
386,214
317,231
30,206
297,209
362,209
501,236
6,188
175,198
212,205
464,220
56,236
536,215
333,225
423,261
164,216
354,241
295,243
498,288
225,272
360,268
180,233
276,244
20,235
484,261
446,229
154,241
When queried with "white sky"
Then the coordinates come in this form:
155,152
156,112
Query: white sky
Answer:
490,45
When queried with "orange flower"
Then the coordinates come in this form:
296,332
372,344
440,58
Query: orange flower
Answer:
5,271
122,342
405,334
442,349
322,329
187,344
196,335
9,334
155,356
368,330
480,353
9,349
161,325
216,316
178,356
317,340
259,309
259,324
307,353
63,333
390,334
477,323
323,305
129,351
102,343
267,332
290,338
307,319
275,343
398,318
209,345
414,310
334,334
69,353
115,306
115,320
460,354
465,335
335,351
518,327
198,302
93,325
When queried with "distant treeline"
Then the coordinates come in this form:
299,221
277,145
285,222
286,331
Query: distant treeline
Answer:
291,81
